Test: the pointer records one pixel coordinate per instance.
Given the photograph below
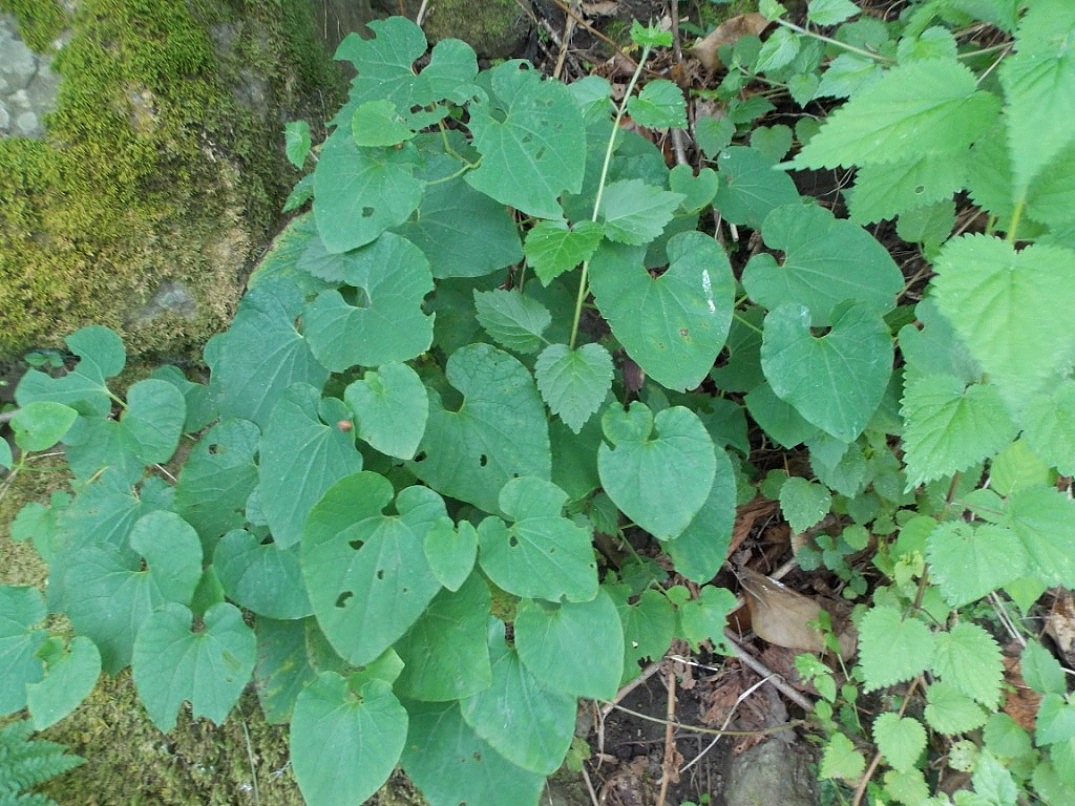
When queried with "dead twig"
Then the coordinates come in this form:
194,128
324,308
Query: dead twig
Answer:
776,680
668,764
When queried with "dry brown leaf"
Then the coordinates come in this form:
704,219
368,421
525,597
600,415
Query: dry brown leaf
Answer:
727,33
1021,702
781,616
601,9
1060,626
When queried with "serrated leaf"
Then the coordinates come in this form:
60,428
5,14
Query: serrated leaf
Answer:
1051,197
498,433
209,668
633,212
914,109
70,677
391,408
1043,519
534,148
1049,425
949,711
846,75
552,248
101,355
968,563
751,186
803,503
967,657
777,51
674,325
1016,467
261,577
949,427
705,617
700,549
1041,670
366,572
1008,307
462,232
1004,737
217,479
660,105
512,319
900,740
660,470
388,323
830,12
444,653
884,190
574,382
836,381
296,142
345,744
826,261
361,192
573,648
41,424
451,552
300,457
262,354
935,349
524,721
542,554
21,609
110,596
451,764
892,648
841,760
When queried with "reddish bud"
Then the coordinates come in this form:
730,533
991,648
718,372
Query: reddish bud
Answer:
344,425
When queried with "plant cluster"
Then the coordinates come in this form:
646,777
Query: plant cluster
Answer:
419,418
26,762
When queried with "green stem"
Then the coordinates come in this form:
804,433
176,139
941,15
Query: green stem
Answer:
583,280
1017,215
741,320
877,57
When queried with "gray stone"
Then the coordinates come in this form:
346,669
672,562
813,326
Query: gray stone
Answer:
172,297
771,773
28,86
17,63
5,118
28,125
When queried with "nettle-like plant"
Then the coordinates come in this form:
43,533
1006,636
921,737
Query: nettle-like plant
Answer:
416,423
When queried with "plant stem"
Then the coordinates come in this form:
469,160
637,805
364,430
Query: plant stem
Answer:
583,281
1017,214
877,57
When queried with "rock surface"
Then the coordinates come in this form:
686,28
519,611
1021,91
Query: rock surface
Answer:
771,773
27,84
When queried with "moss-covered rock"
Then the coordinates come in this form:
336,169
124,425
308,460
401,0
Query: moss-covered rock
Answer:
162,171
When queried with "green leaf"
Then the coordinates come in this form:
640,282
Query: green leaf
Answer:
533,142
673,325
552,248
884,190
649,626
1016,467
110,596
993,780
836,381
514,320
892,648
777,51
1003,737
830,12
949,711
69,678
713,134
384,62
935,349
949,427
1041,670
772,141
660,470
200,409
462,232
6,459
900,740
847,75
217,479
366,572
525,722
451,764
705,618
444,653
573,648
803,503
826,261
780,420
700,549
262,354
261,577
21,608
649,35
41,424
209,668
283,667
297,142
1039,86
634,212
387,324
841,760
1049,425
361,192
542,554
498,433
751,186
1008,307
967,657
698,190
300,458
574,382
968,563
1043,519
377,123
391,408
660,105
914,109
345,744
101,355
451,552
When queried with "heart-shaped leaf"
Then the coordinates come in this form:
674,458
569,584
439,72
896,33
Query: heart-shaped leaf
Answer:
391,407
262,578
